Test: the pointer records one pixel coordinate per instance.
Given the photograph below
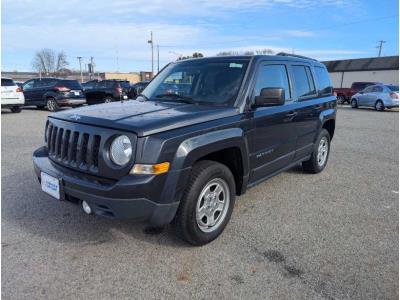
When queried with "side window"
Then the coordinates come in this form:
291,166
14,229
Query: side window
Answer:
272,76
377,89
324,83
101,84
303,81
28,85
368,89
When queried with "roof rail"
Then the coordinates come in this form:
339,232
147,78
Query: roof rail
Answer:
295,55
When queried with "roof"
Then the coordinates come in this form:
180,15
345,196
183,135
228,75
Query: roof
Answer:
363,64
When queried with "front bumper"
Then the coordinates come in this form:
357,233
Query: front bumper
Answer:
122,199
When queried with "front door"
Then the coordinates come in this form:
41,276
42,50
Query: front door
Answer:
273,138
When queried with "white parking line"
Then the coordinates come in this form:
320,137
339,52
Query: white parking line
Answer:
396,192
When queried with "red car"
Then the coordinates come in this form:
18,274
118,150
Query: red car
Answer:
345,94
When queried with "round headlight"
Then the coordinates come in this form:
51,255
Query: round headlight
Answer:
121,150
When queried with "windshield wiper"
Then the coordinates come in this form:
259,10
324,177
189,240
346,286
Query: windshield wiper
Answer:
177,97
143,96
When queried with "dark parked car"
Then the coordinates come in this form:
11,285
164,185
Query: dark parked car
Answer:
53,93
89,84
106,91
137,88
184,157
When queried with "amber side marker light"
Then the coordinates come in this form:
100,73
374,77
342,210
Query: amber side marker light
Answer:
150,169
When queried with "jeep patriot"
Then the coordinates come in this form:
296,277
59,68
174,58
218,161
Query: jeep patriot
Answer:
202,132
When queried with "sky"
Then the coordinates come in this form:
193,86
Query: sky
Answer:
116,32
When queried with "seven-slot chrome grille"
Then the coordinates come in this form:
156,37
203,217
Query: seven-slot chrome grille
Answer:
80,147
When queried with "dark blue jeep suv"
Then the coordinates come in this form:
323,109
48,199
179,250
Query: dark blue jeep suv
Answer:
201,133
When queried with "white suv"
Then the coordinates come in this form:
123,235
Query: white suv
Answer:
11,95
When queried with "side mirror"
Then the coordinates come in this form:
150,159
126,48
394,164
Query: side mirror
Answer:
270,97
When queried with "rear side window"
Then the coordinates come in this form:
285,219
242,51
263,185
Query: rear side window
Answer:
324,82
393,88
272,76
7,82
304,83
71,84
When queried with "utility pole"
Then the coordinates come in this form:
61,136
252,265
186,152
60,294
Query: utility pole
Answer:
381,42
152,53
91,69
80,67
158,58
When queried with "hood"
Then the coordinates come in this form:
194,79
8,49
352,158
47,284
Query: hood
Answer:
144,118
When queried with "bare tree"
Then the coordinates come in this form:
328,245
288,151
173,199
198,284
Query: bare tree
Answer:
50,63
194,55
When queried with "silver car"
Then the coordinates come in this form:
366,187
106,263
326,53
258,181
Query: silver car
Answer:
379,96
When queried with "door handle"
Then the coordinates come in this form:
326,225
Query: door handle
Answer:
292,114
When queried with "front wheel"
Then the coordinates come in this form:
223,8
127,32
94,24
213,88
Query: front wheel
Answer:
319,157
15,109
379,106
354,103
207,204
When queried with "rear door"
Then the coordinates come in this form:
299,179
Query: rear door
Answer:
29,92
308,108
273,138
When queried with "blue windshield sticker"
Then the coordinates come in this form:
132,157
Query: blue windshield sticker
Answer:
235,65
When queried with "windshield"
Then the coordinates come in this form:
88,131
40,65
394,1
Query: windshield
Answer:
215,82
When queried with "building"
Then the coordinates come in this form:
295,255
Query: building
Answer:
132,77
376,69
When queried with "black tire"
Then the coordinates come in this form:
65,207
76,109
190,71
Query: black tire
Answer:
108,99
312,165
185,222
341,99
40,106
379,106
354,103
15,109
52,104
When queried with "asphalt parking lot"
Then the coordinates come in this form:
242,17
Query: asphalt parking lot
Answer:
297,236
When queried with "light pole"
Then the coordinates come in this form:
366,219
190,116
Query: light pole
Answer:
152,52
158,59
80,67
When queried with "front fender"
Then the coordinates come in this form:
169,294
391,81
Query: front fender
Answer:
196,147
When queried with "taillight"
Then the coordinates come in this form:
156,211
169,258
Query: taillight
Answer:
18,90
393,95
62,88
118,89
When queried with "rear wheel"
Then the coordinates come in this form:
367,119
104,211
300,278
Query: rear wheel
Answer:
207,204
341,99
319,157
108,99
354,103
52,104
379,106
16,109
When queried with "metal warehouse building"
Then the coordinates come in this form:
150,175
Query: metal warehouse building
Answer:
376,69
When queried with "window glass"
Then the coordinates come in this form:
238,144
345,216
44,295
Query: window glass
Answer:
28,85
393,88
324,82
377,89
368,89
272,76
212,82
101,84
303,81
7,82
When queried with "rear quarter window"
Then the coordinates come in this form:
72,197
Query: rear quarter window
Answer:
72,84
7,82
325,87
